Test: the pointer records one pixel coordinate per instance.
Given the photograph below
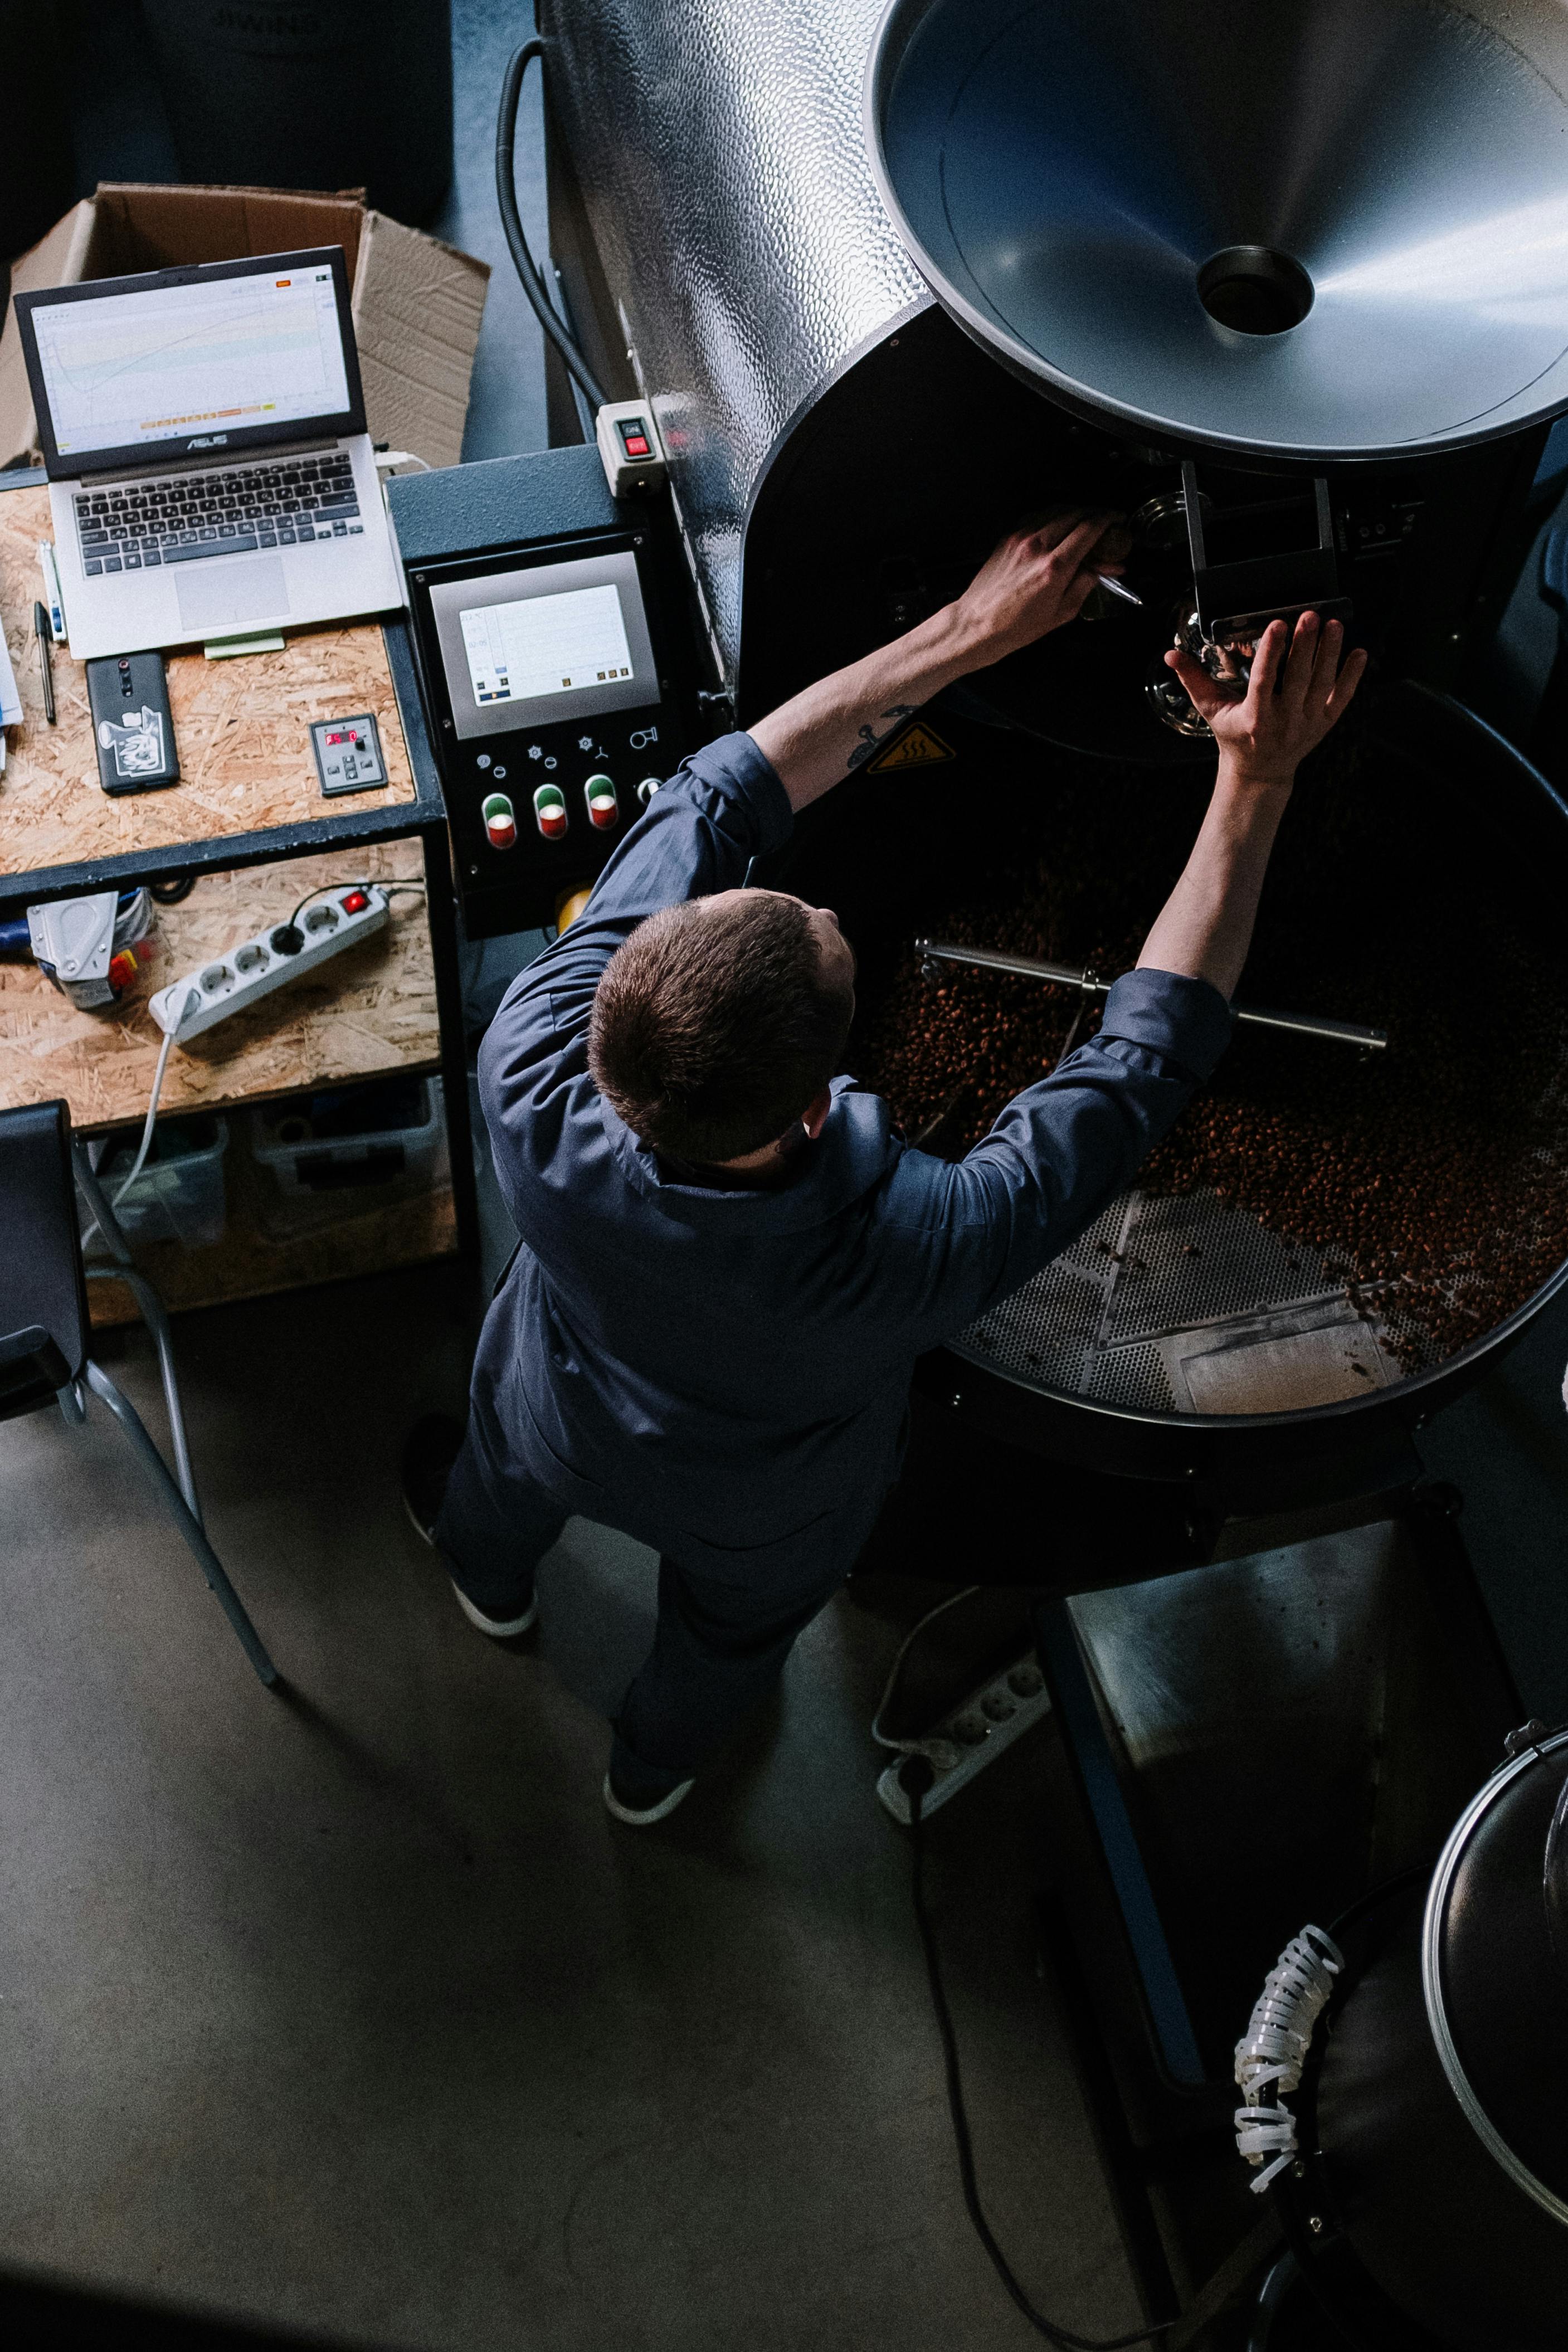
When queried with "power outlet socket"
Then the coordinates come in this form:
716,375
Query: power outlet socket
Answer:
972,1734
338,919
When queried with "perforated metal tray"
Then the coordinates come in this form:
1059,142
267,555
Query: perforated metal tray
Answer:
1184,1305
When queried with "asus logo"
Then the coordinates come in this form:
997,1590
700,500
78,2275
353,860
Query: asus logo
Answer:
209,441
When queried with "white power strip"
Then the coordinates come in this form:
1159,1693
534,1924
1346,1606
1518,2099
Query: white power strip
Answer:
332,922
975,1732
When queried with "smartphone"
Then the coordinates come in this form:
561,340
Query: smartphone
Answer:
132,728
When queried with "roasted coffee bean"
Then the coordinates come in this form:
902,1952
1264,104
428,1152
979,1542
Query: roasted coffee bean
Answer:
1431,1177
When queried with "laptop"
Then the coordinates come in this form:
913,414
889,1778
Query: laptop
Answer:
204,434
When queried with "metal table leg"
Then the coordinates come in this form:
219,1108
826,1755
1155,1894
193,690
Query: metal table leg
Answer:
442,913
179,1510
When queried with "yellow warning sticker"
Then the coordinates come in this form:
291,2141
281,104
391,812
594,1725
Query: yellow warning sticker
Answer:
918,747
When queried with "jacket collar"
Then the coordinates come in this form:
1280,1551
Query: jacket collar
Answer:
854,1151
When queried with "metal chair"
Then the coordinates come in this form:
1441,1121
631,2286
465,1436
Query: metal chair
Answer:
44,1325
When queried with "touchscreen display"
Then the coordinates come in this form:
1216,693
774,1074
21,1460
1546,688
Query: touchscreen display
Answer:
545,645
534,644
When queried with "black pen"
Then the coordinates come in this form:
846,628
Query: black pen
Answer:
45,637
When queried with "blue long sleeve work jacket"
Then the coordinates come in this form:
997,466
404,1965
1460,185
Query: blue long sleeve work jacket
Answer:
721,1371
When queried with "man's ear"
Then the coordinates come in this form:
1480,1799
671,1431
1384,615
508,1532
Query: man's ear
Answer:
814,1117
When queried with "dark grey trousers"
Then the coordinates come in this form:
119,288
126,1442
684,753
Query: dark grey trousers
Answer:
721,1641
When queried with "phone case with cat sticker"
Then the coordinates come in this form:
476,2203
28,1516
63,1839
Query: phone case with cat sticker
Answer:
132,728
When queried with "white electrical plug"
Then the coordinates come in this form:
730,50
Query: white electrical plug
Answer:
334,920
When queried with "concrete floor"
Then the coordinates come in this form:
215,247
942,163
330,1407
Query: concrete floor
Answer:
347,2008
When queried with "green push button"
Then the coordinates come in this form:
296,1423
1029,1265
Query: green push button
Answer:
550,811
604,809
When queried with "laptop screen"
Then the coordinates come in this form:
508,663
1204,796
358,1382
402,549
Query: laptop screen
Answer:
179,362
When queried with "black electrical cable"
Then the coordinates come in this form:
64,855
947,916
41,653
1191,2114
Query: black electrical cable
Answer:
171,890
528,270
361,882
319,892
915,1778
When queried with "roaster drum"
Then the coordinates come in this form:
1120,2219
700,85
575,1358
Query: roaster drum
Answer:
1189,1329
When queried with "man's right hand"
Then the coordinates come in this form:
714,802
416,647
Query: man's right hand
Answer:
1298,688
1292,699
1034,581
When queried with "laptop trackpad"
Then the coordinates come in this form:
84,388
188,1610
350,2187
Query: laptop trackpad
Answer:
221,595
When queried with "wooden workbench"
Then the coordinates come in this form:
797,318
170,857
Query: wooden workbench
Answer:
241,726
370,1010
248,820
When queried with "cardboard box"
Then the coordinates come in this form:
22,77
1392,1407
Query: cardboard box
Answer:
417,303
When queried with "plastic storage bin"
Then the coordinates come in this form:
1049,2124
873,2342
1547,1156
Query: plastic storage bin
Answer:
350,1139
179,1195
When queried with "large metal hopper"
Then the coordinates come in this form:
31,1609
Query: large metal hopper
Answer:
1336,229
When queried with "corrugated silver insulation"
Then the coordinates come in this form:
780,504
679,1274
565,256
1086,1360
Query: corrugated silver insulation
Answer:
718,148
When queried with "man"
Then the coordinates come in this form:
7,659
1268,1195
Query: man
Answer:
729,1259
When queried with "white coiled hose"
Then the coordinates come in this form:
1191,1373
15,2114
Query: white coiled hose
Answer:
1271,2054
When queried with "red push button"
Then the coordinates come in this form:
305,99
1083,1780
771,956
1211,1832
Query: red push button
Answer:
604,809
550,812
636,444
501,822
354,902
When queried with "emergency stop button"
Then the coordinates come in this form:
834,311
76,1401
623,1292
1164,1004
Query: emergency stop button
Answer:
501,822
550,812
604,808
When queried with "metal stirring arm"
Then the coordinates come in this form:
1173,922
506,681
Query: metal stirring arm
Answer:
1066,975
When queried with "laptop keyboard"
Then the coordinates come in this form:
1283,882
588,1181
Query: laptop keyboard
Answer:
180,518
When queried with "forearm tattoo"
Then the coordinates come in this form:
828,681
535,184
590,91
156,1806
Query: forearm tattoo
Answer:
870,741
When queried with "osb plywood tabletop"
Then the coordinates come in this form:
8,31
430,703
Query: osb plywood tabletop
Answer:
241,727
371,1009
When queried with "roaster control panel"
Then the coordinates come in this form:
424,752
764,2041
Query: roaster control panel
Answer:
552,680
552,716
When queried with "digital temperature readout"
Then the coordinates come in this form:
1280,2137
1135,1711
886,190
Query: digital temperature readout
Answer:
348,755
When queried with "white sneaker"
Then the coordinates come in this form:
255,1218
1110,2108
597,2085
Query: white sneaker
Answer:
500,1629
642,1817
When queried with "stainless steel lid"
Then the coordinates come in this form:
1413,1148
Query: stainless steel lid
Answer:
1336,229
1494,1974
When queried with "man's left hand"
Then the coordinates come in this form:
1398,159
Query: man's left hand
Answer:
1035,580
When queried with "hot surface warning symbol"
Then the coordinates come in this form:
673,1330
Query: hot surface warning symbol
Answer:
917,747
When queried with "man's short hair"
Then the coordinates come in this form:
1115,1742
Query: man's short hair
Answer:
713,1027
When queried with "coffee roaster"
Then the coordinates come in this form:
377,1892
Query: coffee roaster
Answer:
1288,288
874,344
